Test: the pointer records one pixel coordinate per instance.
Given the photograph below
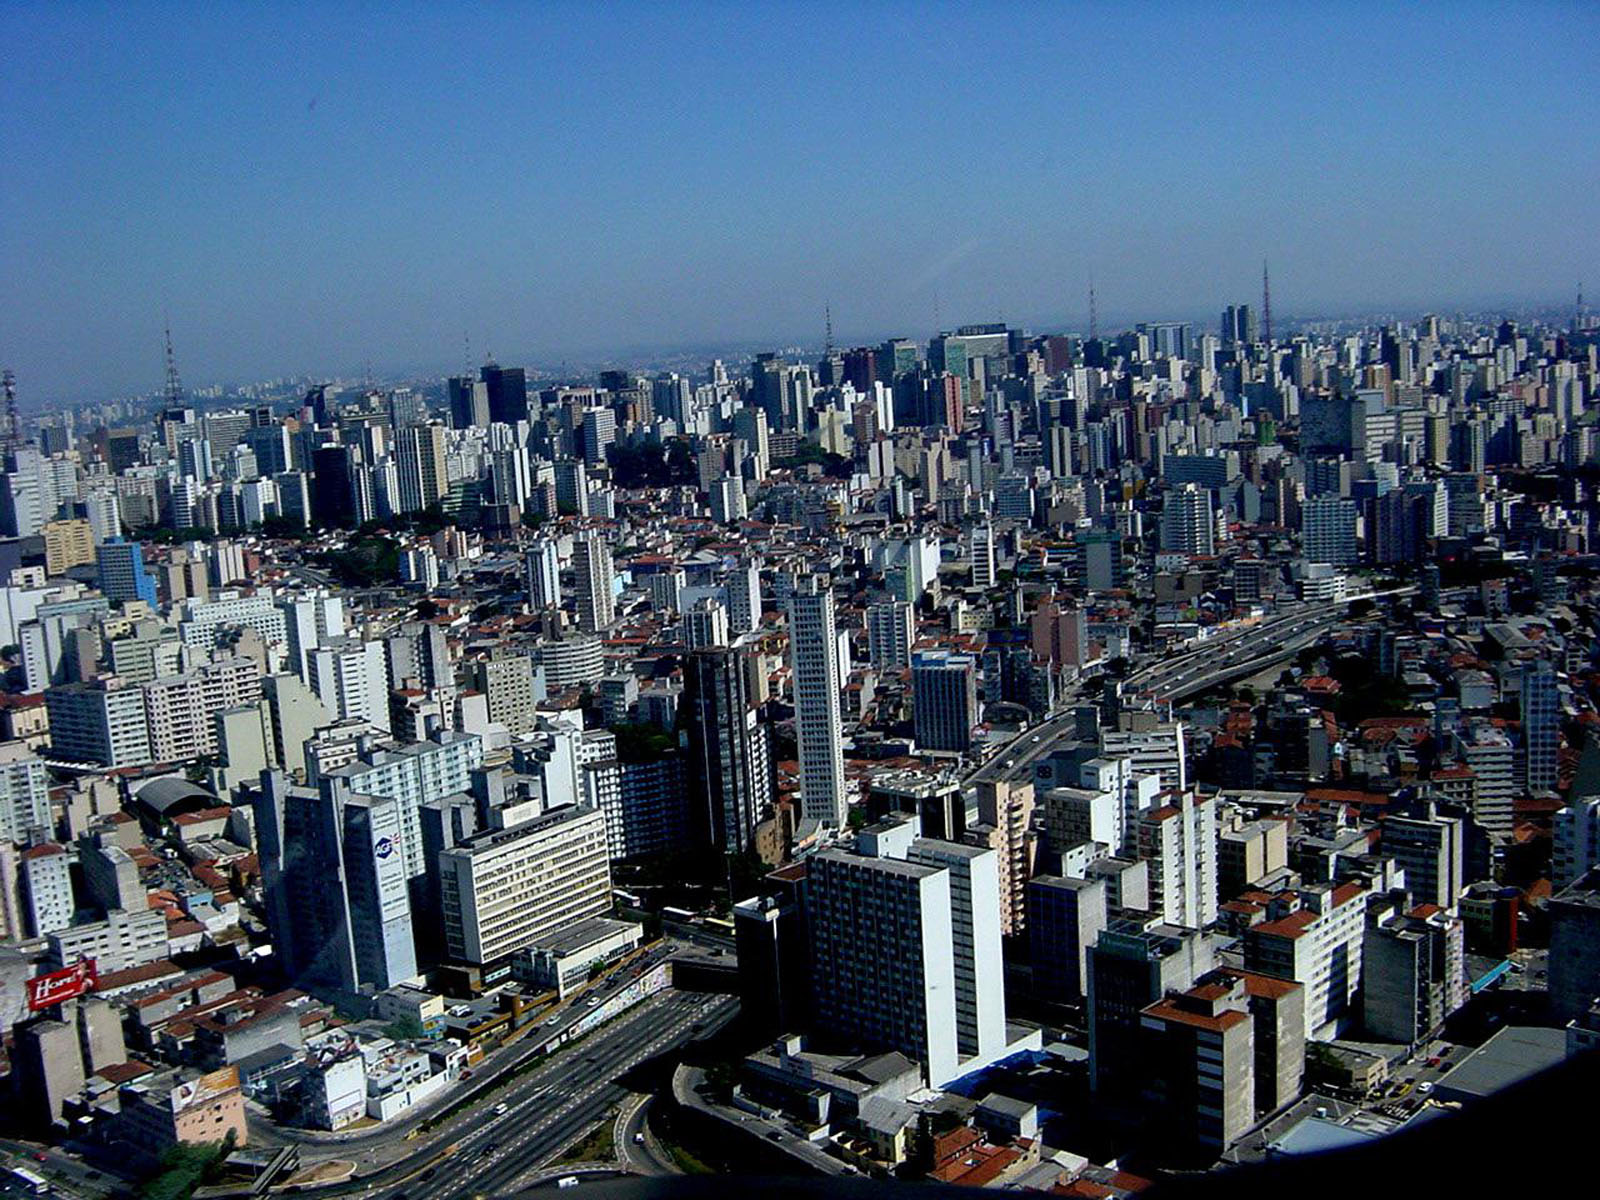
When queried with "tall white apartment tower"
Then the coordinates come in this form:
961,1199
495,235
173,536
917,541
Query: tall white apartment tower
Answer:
744,598
980,551
591,560
890,634
818,727
975,942
544,574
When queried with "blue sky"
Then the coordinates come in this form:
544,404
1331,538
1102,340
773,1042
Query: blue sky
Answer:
307,188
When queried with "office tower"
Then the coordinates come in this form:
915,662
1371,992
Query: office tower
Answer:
980,554
1199,1054
744,598
1132,964
883,957
309,621
1574,949
818,721
1328,531
593,579
750,427
890,632
1314,937
543,574
335,487
506,889
102,509
67,544
572,487
729,754
507,392
944,692
511,690
336,888
101,722
599,432
121,573
1577,842
351,678
420,465
1188,521
469,402
194,459
49,1068
1065,917
1430,849
1102,559
727,500
1541,724
705,625
46,877
24,794
1413,974
975,928
1179,842
1060,635
666,589
1238,326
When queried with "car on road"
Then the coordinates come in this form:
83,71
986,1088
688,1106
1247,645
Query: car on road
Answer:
775,1136
1425,1086
501,1109
490,1149
567,1181
638,1139
592,1002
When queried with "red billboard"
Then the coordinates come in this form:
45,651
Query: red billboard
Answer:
65,984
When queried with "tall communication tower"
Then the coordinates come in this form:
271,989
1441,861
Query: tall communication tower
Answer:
10,424
173,393
1094,319
1266,305
827,331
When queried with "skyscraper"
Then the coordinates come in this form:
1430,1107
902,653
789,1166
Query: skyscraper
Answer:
890,632
591,561
818,724
1188,521
336,888
121,573
944,700
419,458
544,574
728,749
744,598
507,389
1541,724
469,402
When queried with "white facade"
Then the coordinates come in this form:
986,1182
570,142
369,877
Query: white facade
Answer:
351,677
818,721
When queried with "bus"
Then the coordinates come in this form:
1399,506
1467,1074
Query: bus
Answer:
719,925
34,1183
682,915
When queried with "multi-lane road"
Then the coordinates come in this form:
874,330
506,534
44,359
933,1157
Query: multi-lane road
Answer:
1225,656
552,1107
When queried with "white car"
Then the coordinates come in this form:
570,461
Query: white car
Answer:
501,1109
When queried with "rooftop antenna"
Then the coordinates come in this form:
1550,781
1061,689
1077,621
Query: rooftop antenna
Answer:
1266,304
173,392
1094,317
937,320
827,331
466,354
10,424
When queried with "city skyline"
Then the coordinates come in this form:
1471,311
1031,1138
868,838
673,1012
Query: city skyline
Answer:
296,198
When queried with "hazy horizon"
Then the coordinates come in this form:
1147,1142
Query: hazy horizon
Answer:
369,185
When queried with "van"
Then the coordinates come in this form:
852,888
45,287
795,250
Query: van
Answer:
567,1181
